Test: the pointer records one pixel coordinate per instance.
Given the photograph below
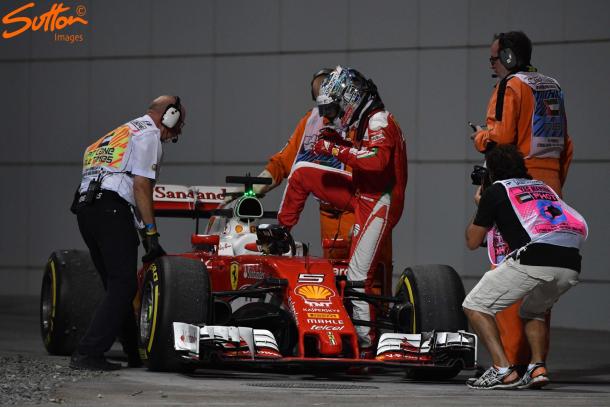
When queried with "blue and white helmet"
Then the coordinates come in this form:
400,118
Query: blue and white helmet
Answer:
343,94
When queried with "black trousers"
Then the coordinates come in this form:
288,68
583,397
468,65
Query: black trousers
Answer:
108,230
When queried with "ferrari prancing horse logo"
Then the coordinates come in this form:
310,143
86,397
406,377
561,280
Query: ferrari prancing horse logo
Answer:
234,272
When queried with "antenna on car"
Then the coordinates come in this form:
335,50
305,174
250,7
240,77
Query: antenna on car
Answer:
248,182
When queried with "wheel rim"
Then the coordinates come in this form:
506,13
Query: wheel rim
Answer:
46,306
146,312
406,294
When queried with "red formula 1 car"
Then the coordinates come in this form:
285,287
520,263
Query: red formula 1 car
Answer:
248,294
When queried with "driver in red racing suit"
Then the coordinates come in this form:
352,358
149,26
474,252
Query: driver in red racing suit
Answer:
374,191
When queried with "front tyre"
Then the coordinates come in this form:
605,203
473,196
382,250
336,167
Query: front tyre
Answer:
436,293
175,289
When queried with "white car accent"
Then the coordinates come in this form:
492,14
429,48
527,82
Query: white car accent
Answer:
229,337
186,337
424,343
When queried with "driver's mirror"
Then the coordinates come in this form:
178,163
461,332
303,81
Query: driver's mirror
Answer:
328,243
205,242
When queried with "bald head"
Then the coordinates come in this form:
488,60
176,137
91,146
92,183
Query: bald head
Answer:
160,104
159,107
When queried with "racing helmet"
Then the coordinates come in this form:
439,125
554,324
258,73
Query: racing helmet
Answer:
344,94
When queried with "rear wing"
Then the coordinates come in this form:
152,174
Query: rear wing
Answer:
181,201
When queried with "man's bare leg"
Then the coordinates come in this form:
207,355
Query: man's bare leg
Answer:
485,327
535,331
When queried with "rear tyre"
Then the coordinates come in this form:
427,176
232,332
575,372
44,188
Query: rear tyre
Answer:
175,289
71,290
436,293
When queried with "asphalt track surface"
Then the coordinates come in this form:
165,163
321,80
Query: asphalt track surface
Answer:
579,366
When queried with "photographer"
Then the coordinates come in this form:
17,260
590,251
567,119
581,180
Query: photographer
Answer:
545,235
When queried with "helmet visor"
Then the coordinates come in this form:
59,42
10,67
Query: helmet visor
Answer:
330,110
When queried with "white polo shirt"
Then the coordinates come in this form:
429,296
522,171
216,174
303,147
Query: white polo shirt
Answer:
131,149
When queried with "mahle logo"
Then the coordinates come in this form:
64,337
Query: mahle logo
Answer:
53,20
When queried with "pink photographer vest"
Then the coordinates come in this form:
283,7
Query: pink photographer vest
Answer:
543,215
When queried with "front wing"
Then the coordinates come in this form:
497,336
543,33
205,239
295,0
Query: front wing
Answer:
246,346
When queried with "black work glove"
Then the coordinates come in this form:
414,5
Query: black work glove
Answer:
153,248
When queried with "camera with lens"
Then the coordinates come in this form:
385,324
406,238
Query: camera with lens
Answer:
480,176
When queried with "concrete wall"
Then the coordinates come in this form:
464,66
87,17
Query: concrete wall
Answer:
243,68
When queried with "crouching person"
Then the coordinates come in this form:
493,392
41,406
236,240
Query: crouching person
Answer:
544,236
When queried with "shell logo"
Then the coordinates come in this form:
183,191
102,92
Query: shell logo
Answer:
314,292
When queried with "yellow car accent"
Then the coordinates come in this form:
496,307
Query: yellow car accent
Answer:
410,291
154,321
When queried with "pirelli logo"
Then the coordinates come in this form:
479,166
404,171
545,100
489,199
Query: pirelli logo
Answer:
322,315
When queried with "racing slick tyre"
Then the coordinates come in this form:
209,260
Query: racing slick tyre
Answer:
175,289
436,293
71,290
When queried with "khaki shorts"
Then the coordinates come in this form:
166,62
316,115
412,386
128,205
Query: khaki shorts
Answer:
540,287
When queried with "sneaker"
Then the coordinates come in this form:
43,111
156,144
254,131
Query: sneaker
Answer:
79,361
479,372
492,379
534,378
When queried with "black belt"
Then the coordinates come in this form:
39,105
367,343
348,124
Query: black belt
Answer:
548,255
102,194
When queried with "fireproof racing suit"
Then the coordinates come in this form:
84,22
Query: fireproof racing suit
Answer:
334,223
374,191
534,119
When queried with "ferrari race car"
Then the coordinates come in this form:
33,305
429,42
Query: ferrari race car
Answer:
247,294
